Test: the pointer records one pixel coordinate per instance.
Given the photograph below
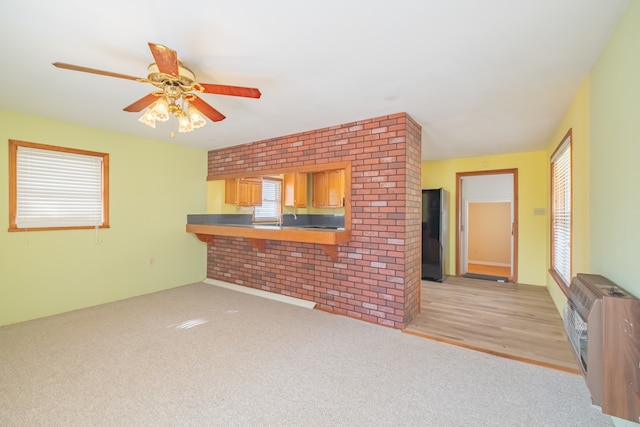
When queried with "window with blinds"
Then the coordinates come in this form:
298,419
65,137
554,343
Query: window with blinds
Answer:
271,207
55,187
561,210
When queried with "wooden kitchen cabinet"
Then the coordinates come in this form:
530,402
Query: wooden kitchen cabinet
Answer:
256,193
335,188
328,189
295,190
243,191
230,190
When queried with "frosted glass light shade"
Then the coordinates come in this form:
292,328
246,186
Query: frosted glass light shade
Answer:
184,125
160,109
197,121
148,119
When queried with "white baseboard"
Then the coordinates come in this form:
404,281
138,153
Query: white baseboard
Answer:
260,293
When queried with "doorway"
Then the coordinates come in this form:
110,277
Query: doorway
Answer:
486,223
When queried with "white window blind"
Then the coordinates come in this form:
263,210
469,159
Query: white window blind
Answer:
271,207
561,211
58,189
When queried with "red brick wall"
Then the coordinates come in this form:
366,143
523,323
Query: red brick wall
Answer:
413,221
377,275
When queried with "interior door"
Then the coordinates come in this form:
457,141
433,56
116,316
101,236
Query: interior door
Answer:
483,198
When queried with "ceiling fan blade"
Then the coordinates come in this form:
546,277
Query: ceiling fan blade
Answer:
206,109
247,92
166,59
141,103
95,71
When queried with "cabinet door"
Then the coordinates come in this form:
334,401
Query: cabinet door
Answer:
335,189
301,191
295,190
230,191
289,183
243,193
328,189
256,193
320,192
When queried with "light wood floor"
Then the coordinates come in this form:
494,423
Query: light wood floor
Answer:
505,319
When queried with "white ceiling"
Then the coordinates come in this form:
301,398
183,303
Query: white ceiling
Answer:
480,77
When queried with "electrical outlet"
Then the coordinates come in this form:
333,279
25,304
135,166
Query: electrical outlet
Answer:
538,211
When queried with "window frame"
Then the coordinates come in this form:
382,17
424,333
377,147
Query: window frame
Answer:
269,220
565,144
13,184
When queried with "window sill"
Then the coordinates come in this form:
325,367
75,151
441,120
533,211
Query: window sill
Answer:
83,227
561,284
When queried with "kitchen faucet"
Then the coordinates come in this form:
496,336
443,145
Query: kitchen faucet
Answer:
281,219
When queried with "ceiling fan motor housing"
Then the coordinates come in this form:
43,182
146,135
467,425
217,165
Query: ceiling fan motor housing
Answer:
172,86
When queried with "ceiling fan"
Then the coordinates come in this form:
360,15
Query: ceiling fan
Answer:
177,93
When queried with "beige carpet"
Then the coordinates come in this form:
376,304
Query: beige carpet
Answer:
201,355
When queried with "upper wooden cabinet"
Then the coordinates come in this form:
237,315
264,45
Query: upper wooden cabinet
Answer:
230,191
328,189
335,188
332,179
295,190
243,191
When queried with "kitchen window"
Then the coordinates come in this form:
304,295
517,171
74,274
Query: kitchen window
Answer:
271,207
561,207
52,188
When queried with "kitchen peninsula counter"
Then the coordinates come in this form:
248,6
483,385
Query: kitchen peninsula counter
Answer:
257,234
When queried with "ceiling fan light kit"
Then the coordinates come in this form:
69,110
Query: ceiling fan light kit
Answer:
176,97
148,119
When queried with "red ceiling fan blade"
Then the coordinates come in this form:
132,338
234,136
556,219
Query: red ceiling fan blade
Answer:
141,103
95,71
166,59
206,109
247,92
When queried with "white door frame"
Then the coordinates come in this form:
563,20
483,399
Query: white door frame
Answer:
462,245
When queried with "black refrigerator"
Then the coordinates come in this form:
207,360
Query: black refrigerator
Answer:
435,219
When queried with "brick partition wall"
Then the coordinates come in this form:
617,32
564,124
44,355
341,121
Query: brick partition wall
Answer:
377,275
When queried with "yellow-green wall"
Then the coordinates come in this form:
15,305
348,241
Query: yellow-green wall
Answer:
153,186
215,199
606,150
577,119
615,155
532,193
614,158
